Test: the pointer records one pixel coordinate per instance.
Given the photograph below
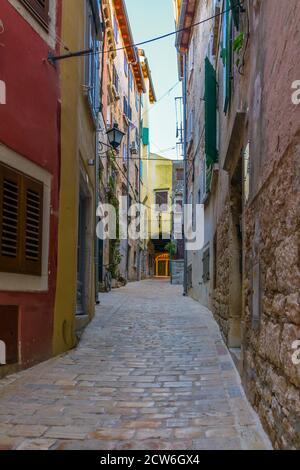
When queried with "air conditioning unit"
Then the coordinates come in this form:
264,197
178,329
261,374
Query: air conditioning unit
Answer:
133,149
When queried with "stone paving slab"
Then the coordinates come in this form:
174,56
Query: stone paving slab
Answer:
150,372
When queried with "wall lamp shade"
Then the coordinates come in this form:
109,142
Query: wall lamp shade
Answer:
115,136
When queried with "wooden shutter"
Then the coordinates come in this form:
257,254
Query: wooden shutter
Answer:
39,9
95,6
228,58
32,226
206,263
10,197
235,6
145,136
210,113
21,214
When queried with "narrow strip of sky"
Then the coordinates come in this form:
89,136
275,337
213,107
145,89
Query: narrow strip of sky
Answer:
148,19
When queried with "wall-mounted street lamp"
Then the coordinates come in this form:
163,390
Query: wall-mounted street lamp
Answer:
115,136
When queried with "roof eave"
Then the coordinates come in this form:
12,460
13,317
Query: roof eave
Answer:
186,17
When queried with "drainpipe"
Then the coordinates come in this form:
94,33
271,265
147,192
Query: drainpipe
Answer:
185,193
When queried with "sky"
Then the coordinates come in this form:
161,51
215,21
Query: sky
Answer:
149,18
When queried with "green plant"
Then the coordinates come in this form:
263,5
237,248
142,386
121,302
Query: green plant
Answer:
171,248
114,245
238,45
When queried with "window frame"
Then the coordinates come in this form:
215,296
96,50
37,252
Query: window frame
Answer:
92,64
40,13
165,206
22,264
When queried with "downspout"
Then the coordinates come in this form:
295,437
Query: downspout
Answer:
184,90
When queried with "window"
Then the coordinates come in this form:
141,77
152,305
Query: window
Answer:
115,79
145,136
210,114
206,263
161,200
39,9
235,6
21,215
116,30
125,65
178,205
191,126
125,106
130,80
191,56
137,138
179,174
92,64
137,101
227,56
129,112
124,153
137,179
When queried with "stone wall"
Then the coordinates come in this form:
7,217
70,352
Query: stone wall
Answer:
273,237
222,275
271,317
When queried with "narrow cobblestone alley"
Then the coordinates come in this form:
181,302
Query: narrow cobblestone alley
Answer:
150,372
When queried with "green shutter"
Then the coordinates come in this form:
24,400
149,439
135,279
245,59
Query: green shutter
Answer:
235,6
228,57
210,113
145,136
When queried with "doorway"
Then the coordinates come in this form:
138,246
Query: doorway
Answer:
162,265
81,255
236,249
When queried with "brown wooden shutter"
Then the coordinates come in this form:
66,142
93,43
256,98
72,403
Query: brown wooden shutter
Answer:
21,216
10,194
39,9
32,226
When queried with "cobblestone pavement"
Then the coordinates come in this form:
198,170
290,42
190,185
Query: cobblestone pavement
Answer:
150,372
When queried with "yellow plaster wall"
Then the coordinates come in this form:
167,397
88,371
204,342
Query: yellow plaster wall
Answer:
77,146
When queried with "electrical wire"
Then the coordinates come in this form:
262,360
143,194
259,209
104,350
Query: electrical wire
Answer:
159,38
161,98
147,159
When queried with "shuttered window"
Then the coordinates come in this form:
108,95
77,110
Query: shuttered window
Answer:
21,213
227,57
235,6
39,9
145,136
210,113
92,61
206,263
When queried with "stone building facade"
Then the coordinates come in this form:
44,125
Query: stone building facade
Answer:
243,167
271,315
